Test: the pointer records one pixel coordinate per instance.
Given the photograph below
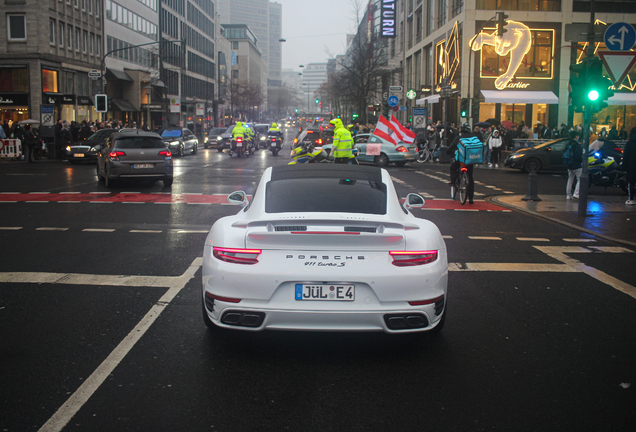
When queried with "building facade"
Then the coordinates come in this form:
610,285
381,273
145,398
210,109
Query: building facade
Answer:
133,84
314,76
520,77
47,49
188,62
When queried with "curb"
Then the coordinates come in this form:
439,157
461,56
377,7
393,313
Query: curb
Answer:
495,200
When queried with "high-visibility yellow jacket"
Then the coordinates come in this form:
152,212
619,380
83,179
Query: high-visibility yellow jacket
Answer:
239,130
342,141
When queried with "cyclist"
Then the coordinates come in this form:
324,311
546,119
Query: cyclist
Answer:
456,165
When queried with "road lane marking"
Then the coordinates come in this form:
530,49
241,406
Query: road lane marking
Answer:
511,267
531,239
611,249
10,228
559,254
483,238
69,202
146,231
98,230
51,229
579,240
74,403
69,193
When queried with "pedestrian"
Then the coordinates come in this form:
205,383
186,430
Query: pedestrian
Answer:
495,143
629,165
3,135
478,134
28,143
573,160
603,133
66,139
622,135
6,129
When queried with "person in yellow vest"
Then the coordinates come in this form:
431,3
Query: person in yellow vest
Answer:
238,131
342,142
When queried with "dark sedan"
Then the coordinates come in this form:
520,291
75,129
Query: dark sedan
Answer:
180,140
545,156
213,137
87,150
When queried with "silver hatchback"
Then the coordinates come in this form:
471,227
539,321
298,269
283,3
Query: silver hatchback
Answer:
141,155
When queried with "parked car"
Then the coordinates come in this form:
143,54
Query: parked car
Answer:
141,155
180,140
389,153
342,255
87,150
212,137
545,156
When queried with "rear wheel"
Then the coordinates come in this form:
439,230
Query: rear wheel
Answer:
219,149
382,160
275,152
532,164
194,149
422,156
99,177
168,182
463,192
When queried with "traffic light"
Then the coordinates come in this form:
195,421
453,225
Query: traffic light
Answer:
597,89
319,104
501,23
296,110
101,103
355,116
317,100
464,107
578,83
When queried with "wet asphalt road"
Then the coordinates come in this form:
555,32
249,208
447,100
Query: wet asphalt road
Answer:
521,350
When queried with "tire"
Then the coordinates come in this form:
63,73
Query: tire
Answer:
181,150
219,149
275,152
463,192
454,189
108,182
99,177
422,156
194,149
532,164
400,164
382,160
206,319
74,162
168,182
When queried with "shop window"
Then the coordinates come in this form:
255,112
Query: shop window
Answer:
49,80
14,80
67,82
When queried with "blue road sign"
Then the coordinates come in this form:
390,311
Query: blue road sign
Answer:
620,37
419,111
402,108
393,101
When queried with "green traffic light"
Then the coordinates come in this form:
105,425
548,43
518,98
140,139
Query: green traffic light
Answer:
592,95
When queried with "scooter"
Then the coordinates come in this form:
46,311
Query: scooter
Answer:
275,144
603,171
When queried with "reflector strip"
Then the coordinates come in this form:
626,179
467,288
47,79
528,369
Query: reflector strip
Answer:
425,302
326,232
223,299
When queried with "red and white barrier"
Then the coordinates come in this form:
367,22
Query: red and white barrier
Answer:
10,148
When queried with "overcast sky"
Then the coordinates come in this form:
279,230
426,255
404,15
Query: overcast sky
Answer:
313,28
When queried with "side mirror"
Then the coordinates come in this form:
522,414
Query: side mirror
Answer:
413,201
238,198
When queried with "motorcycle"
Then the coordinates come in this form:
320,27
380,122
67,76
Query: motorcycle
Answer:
308,153
603,171
275,144
239,146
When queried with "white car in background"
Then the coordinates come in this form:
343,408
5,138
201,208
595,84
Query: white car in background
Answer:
325,247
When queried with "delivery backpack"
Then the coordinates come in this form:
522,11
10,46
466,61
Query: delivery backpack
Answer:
470,151
568,155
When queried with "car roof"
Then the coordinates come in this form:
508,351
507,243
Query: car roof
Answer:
138,133
354,172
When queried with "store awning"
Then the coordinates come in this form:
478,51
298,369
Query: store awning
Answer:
123,105
520,97
120,75
622,99
430,99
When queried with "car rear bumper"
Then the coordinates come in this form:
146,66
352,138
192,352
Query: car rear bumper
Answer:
160,170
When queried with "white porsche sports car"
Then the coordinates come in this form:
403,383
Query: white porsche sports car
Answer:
325,247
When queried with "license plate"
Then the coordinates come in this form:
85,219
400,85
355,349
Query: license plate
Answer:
136,166
325,292
239,144
78,154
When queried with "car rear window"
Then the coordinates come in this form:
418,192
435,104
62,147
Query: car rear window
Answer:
331,195
139,142
171,133
261,128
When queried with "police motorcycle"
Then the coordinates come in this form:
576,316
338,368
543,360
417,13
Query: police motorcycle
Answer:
274,143
604,171
307,152
238,146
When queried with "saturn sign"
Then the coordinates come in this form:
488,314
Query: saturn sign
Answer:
388,19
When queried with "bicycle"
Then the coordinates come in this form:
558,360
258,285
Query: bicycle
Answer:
424,153
461,185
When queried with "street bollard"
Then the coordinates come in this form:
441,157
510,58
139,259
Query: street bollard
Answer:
532,188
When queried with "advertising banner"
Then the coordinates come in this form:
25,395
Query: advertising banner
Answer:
175,105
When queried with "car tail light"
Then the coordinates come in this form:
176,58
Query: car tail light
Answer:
618,149
426,302
239,139
401,149
166,153
273,139
237,256
412,258
223,299
114,155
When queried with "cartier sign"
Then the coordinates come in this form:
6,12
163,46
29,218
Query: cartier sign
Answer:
7,99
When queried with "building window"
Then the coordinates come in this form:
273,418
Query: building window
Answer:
52,32
76,2
235,73
84,41
98,6
92,46
49,80
14,80
77,39
235,45
60,34
69,37
537,63
98,46
527,5
84,5
16,27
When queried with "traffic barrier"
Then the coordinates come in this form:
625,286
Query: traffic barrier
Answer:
10,148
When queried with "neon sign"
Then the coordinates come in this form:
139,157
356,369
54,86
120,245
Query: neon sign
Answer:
516,42
388,19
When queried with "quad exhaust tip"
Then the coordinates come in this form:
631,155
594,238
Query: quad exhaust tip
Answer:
243,318
405,321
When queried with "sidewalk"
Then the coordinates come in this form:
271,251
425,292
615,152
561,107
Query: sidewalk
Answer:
607,216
